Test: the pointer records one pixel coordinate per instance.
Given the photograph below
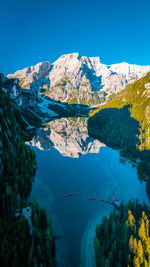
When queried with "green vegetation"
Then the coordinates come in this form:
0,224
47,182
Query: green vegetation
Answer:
22,85
82,100
85,84
18,159
73,100
137,97
123,123
73,119
43,240
95,99
26,86
110,123
63,82
44,89
15,241
123,239
19,246
91,99
31,116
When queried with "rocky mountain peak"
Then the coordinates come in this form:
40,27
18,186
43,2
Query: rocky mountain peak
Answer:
78,79
31,75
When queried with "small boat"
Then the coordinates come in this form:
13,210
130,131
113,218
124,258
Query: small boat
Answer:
71,195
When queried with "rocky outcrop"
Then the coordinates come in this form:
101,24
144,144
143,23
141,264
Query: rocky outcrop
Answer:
147,86
35,106
41,139
74,78
32,77
22,98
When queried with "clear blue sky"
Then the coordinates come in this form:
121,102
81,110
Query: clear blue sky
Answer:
32,31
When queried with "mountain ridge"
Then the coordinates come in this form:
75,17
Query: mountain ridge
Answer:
78,79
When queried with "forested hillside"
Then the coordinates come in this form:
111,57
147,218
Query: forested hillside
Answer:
128,245
124,122
25,235
137,97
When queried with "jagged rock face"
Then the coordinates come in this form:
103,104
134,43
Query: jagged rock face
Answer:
21,97
42,139
74,78
69,136
32,77
34,110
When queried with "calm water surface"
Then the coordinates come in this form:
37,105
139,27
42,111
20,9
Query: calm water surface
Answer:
91,175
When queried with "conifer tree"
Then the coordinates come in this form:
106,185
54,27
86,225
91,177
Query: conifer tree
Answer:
131,245
136,262
140,253
107,264
142,230
131,220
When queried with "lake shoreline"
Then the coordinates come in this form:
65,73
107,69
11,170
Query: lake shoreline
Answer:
87,254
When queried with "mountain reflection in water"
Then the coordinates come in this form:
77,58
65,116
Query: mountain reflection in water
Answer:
68,135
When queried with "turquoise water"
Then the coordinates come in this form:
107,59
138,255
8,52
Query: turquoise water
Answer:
92,175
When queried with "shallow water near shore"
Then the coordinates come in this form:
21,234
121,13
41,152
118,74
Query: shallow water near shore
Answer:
92,175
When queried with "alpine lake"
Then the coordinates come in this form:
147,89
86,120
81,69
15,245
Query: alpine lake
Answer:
71,168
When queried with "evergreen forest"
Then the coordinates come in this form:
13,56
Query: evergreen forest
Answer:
26,237
123,239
